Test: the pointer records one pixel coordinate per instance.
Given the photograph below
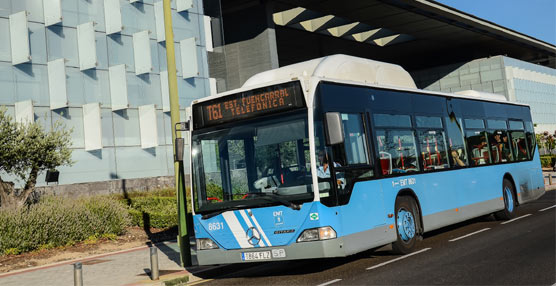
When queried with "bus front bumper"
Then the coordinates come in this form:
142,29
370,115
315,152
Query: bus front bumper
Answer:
302,250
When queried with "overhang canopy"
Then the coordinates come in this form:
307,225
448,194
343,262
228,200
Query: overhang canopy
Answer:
413,33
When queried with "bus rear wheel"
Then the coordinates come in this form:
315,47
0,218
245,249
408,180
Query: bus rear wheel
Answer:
510,202
406,225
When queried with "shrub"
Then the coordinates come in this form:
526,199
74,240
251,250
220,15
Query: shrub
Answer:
161,212
56,221
547,161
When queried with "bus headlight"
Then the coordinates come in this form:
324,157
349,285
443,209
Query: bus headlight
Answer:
321,233
206,243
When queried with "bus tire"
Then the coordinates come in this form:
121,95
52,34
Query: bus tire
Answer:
406,225
510,203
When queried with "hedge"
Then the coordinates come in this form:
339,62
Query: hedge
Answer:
58,221
161,212
547,161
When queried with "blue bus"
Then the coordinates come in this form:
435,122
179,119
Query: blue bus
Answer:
338,155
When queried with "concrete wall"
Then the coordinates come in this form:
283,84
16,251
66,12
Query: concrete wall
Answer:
517,80
249,47
121,156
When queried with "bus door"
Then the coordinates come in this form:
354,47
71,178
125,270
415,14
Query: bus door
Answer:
359,198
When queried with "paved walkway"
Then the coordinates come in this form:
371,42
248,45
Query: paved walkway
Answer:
128,267
553,175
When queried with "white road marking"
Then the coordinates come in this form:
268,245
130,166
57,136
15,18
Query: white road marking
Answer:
399,258
516,218
329,282
554,206
470,234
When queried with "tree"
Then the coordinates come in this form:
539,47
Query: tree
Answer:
26,150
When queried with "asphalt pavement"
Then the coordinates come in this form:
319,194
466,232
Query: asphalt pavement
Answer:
481,251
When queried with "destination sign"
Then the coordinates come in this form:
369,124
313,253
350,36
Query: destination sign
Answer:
248,104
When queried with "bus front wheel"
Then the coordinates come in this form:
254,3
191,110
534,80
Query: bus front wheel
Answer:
510,202
406,225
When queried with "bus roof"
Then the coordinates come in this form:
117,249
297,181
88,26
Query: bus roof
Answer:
340,67
352,70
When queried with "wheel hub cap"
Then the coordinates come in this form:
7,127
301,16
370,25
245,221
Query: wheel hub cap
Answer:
509,199
406,225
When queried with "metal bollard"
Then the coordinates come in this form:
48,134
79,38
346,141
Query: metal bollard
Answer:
154,263
549,179
78,274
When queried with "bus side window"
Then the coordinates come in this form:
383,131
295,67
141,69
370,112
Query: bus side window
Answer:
531,140
396,144
398,153
432,142
519,141
499,141
456,143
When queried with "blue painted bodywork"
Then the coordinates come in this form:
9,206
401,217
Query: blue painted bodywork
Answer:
372,201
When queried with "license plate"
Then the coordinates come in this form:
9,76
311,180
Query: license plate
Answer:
258,255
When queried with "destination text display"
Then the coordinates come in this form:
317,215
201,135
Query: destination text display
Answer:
248,104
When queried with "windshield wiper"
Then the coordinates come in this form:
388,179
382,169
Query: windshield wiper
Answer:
275,198
215,213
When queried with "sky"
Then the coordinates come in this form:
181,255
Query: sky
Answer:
535,18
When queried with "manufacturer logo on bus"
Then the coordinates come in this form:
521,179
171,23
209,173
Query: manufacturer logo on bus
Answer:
253,236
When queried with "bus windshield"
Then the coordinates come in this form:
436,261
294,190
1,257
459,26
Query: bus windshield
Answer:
257,163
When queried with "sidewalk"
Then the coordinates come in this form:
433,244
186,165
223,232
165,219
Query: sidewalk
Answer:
546,180
127,267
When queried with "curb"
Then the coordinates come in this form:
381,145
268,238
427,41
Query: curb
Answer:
83,259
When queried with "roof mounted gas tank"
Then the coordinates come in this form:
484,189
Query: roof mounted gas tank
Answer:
340,67
482,95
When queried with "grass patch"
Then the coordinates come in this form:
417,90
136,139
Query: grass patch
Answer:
177,282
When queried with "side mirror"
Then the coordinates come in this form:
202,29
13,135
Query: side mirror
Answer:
179,149
334,130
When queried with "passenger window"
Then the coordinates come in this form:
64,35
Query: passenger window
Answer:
531,140
516,125
500,146
497,124
519,145
456,143
392,120
397,151
428,122
518,140
433,150
478,147
474,123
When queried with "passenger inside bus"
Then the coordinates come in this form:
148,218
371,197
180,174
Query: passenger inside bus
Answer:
480,153
500,147
457,156
323,170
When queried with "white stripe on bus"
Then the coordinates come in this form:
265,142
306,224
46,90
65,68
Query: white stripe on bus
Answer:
236,229
250,225
261,229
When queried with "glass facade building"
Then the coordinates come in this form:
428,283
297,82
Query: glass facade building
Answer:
99,67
